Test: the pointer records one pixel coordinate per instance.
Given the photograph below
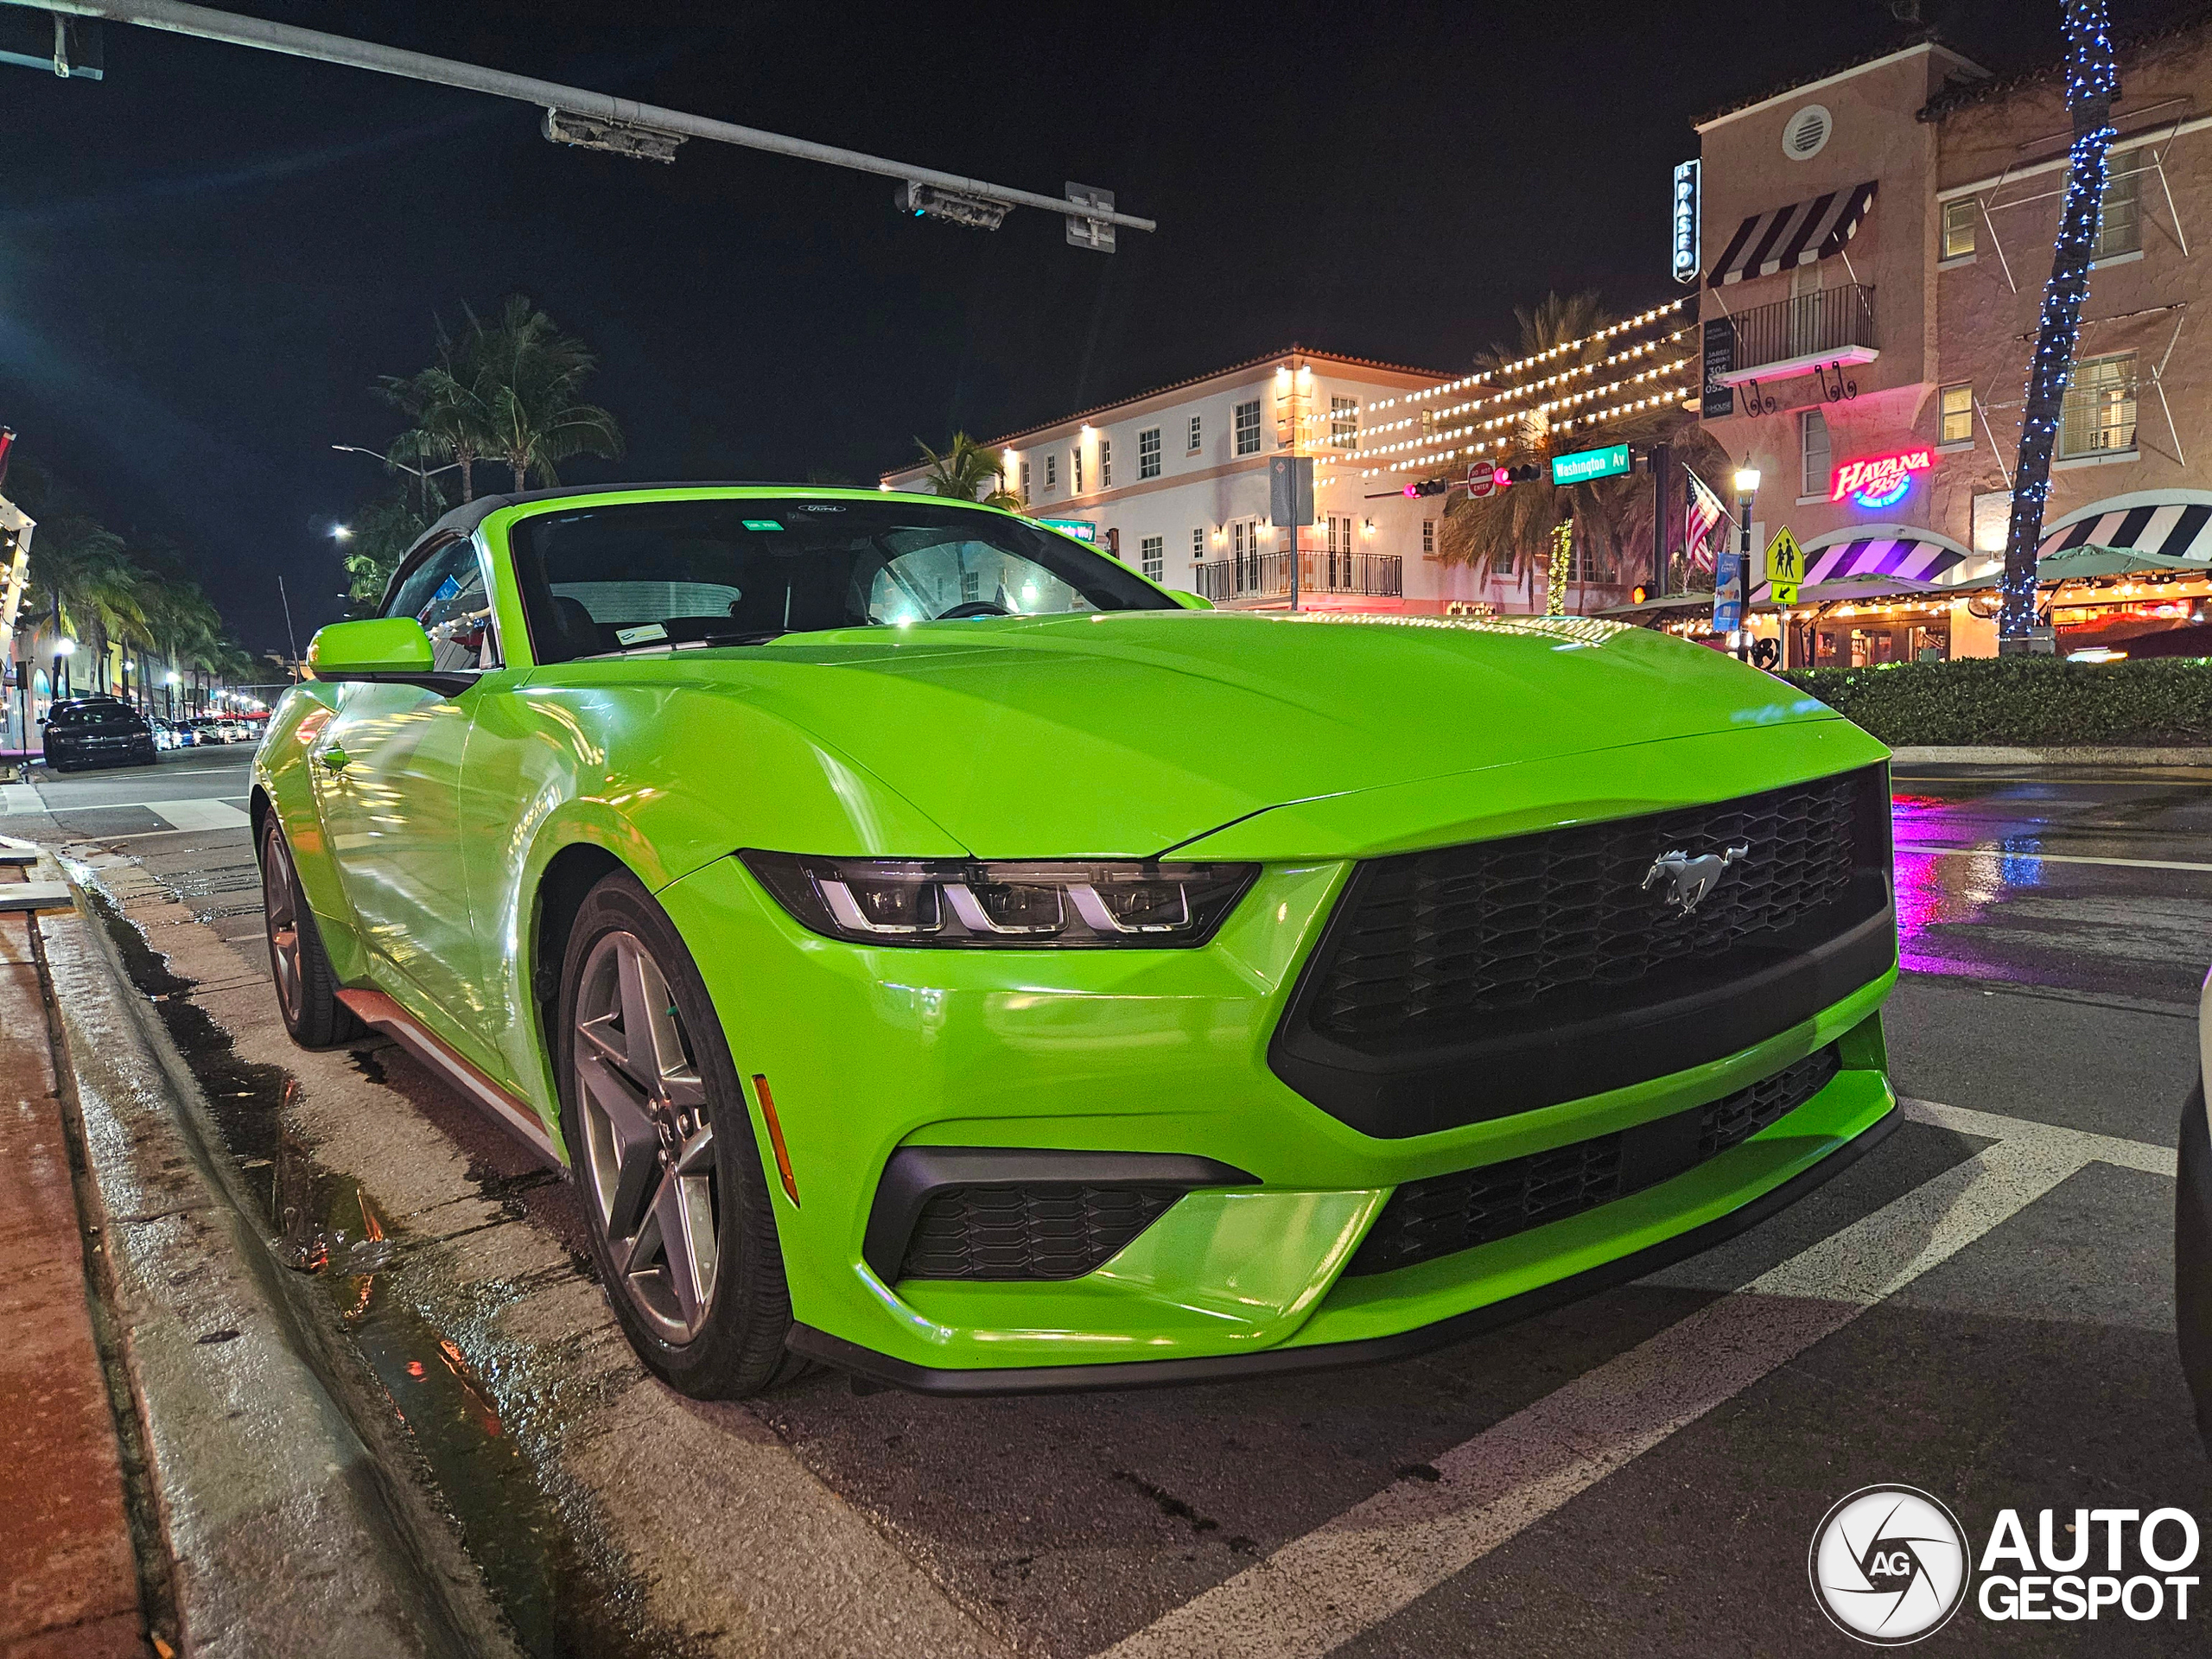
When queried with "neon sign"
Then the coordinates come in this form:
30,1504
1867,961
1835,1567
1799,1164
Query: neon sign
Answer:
1879,480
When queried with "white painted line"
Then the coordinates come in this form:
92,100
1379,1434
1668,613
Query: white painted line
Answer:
1347,1576
2048,858
151,806
199,814
19,797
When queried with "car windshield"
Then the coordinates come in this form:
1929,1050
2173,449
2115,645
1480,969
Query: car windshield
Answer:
647,575
88,713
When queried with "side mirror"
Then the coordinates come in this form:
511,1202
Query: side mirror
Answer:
1189,600
388,650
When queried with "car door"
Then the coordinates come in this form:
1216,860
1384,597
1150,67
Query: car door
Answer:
387,770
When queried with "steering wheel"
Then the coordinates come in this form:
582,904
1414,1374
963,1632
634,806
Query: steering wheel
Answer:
1765,653
973,607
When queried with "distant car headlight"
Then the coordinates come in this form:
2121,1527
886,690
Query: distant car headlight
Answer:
1087,903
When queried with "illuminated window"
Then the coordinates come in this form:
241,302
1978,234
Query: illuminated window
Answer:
1813,433
2098,416
1152,557
2122,230
1961,218
1197,434
1248,428
1148,452
1958,415
1344,423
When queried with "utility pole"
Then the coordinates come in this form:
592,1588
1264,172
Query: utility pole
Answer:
2092,83
290,638
595,121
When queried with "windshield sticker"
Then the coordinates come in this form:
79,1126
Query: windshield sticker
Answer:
638,635
760,524
447,588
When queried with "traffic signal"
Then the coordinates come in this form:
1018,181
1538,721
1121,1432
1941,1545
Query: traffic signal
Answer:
1636,595
1527,472
1429,486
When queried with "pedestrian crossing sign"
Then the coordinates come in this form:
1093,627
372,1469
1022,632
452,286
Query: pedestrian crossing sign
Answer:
1785,560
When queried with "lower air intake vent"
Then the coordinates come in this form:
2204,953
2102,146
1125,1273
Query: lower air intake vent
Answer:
1041,1229
1446,1214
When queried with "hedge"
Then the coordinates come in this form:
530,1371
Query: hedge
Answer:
2029,701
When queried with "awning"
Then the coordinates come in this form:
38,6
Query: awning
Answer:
1888,550
1799,234
2175,528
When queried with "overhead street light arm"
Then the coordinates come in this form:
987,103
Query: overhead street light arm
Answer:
208,25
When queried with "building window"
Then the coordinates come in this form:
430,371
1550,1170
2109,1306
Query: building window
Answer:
1052,471
1148,452
2098,415
1024,477
1075,470
1198,545
1428,538
1344,423
1961,218
1105,463
1958,415
1152,557
2122,230
1197,434
1813,433
1248,428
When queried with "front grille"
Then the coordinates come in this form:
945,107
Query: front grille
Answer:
1446,1214
1440,938
1029,1229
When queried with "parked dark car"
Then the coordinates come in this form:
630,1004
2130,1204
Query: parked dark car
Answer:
96,731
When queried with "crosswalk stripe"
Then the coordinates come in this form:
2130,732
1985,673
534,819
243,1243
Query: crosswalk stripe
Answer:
1347,1575
199,814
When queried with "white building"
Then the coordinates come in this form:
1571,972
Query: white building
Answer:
1175,482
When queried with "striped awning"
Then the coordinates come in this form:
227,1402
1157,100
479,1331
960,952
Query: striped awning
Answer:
1796,235
1912,558
2177,530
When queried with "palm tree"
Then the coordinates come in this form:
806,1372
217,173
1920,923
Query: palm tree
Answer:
84,582
383,532
448,409
1510,531
968,472
530,375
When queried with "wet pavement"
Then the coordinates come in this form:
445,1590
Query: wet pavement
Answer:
1643,1470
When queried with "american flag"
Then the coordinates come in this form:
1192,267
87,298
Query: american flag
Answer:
1705,512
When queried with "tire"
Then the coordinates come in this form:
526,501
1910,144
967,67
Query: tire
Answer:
307,989
661,1130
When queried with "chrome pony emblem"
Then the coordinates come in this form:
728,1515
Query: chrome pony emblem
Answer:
1683,881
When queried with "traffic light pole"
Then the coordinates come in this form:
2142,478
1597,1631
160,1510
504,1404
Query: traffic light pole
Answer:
1661,483
620,113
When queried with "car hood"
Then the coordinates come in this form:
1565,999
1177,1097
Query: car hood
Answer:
1131,733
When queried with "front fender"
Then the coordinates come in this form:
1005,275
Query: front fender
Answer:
281,778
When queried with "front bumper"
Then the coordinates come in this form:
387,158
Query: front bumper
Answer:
1166,1052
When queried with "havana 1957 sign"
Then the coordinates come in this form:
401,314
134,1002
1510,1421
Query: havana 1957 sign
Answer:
1879,480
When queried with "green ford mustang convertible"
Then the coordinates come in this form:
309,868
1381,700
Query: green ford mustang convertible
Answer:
935,950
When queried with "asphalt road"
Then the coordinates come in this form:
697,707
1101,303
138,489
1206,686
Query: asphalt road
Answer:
1981,1309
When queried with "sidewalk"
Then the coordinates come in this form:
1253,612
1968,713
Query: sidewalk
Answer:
71,1588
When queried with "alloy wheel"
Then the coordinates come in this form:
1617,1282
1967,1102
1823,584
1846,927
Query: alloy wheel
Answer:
280,905
649,1137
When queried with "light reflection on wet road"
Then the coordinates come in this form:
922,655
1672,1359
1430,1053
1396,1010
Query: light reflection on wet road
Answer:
2096,880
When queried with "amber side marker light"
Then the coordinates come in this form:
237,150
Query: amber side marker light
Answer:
776,1137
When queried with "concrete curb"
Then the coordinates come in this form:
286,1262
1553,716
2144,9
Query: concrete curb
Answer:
286,1533
1980,755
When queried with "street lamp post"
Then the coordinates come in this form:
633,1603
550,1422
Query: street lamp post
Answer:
170,682
1747,489
64,649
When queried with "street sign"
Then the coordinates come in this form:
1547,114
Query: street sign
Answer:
1785,560
1587,464
1482,479
1081,528
1097,234
1290,490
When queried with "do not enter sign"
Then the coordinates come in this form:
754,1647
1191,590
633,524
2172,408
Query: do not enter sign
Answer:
1482,479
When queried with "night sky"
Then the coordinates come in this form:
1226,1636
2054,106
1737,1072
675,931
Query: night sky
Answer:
207,258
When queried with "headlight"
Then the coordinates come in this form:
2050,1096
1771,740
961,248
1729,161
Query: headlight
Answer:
961,902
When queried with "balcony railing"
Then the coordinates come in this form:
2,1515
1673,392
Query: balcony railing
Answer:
1267,575
1830,324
